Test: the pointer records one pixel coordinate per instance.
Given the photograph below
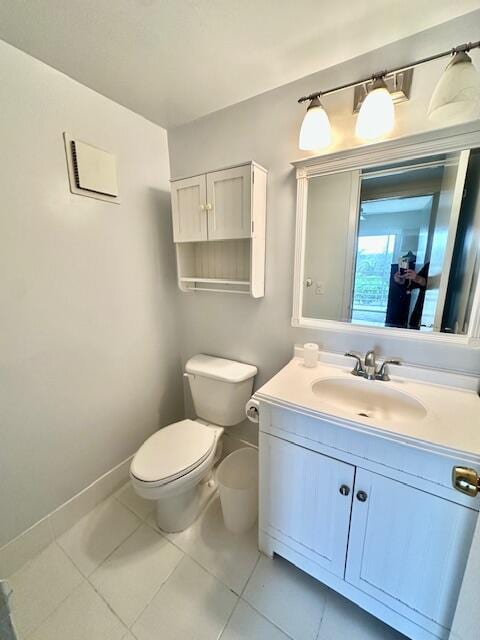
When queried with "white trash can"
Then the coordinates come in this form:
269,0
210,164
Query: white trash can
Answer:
237,478
7,629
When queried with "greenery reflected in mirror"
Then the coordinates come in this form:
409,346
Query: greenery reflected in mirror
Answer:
395,246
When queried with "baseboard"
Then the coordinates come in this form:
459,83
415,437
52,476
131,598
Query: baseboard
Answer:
26,545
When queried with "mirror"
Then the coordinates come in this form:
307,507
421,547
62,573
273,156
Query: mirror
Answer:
395,246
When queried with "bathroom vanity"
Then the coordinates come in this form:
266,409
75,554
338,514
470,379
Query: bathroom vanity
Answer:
356,485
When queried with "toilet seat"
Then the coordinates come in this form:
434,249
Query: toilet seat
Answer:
173,452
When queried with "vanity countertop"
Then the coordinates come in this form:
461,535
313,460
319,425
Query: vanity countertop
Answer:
451,403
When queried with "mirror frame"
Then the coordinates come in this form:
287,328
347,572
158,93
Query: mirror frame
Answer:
456,138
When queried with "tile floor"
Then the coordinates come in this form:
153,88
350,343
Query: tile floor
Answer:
113,576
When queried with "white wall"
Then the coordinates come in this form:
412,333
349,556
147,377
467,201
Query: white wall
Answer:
88,339
265,128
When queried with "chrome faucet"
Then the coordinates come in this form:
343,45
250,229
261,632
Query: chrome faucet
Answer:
368,369
370,365
358,369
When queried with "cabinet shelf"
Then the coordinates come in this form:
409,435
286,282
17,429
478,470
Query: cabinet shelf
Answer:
219,230
218,285
215,281
211,289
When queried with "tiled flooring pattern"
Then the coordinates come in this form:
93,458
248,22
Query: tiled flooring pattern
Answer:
113,576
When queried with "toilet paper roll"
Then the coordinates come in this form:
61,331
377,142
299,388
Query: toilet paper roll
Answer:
252,410
310,354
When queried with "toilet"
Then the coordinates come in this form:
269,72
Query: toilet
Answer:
174,466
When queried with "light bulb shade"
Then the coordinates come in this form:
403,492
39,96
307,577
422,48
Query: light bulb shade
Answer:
315,132
456,97
377,113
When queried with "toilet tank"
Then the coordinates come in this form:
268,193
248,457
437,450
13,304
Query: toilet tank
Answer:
220,388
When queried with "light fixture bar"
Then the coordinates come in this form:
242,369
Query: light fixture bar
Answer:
451,52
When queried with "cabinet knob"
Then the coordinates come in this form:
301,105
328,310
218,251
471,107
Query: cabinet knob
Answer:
362,496
202,207
344,490
208,206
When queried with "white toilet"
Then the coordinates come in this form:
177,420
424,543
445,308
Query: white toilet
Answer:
174,466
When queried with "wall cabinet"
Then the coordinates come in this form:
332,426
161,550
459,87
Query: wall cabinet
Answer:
219,230
189,198
386,543
229,195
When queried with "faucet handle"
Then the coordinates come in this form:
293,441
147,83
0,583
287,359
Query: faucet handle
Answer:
383,372
358,369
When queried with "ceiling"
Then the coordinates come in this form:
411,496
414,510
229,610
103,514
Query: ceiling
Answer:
175,60
403,204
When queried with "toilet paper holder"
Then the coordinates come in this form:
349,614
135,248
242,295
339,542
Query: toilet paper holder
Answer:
252,410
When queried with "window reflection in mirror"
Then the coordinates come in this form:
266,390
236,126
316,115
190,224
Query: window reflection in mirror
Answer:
395,246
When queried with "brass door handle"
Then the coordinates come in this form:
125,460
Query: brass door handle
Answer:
466,480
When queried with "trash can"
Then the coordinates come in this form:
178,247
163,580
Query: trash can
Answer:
237,478
7,630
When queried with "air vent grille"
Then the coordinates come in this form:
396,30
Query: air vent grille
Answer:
75,164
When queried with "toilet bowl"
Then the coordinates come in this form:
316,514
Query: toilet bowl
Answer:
174,466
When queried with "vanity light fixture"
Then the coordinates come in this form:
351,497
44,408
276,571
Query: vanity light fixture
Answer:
455,98
457,94
377,113
315,132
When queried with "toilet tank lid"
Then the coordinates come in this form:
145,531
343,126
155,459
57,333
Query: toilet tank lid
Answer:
220,368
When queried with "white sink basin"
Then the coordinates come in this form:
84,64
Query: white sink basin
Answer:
368,399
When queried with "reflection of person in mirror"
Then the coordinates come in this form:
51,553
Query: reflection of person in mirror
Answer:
405,310
413,279
409,295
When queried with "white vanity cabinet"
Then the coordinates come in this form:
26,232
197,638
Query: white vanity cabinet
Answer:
408,548
219,230
304,507
340,506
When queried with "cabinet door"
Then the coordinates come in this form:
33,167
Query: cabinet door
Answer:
301,504
229,196
189,216
409,549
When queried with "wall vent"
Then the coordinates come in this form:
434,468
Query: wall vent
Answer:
92,171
